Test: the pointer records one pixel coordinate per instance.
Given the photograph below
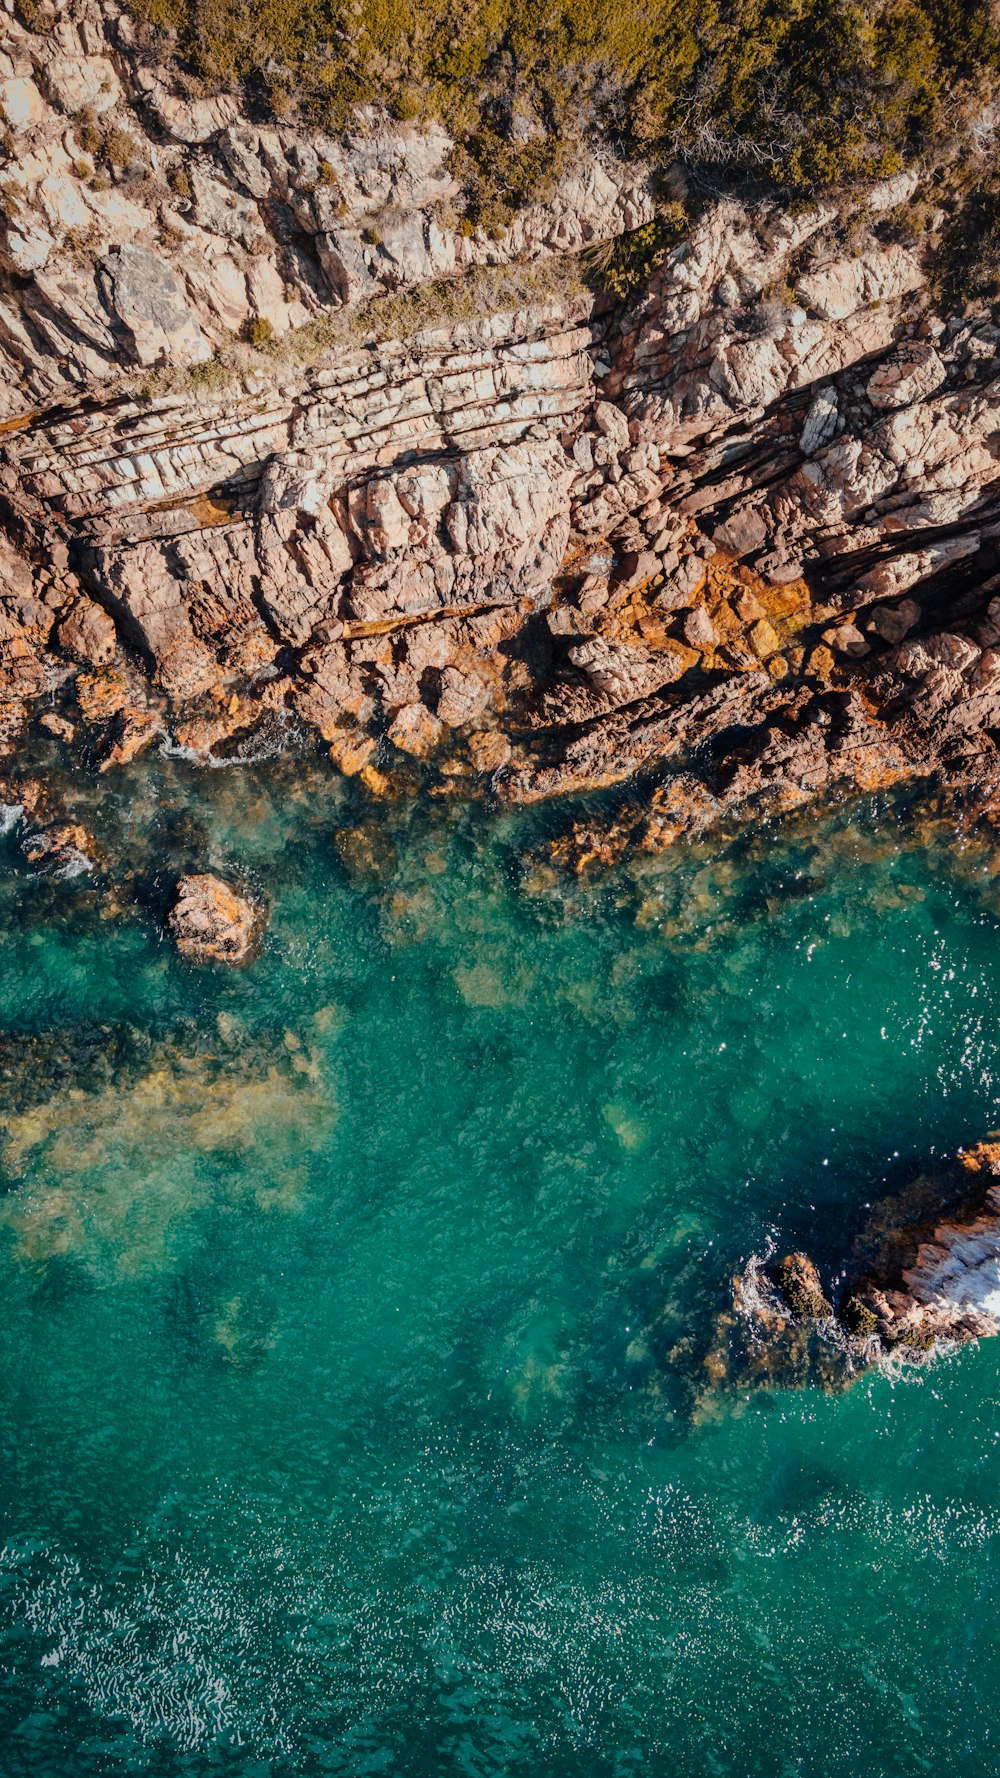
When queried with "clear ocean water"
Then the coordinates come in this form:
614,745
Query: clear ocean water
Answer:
354,1405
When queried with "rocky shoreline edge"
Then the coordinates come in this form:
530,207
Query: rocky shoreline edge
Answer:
282,445
923,1278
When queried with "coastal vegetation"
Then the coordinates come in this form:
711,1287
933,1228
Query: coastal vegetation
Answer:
797,95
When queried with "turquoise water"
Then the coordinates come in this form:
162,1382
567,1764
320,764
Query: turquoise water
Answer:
355,1408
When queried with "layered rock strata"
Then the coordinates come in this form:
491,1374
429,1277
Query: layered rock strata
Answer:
742,534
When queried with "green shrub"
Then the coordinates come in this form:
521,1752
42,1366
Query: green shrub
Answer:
793,95
624,266
35,17
259,331
968,257
118,148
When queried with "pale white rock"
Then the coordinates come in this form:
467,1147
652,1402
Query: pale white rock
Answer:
27,246
946,649
912,372
75,83
820,424
611,667
225,212
21,104
621,672
266,290
190,120
960,1266
699,630
62,204
888,194
220,284
612,425
897,573
295,481
840,287
118,216
387,524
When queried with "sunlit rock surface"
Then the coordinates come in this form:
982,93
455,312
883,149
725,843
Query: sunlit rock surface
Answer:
285,445
211,923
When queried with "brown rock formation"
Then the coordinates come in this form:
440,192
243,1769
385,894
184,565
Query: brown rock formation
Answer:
455,506
210,923
924,1275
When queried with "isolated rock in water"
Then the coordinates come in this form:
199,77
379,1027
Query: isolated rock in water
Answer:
66,849
211,923
929,1268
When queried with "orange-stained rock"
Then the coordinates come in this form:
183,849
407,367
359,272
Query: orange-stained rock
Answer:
489,749
102,694
414,730
210,922
65,848
352,750
130,733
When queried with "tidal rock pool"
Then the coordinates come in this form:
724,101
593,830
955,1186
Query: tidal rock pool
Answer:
364,1407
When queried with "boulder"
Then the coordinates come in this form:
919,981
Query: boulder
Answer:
910,373
699,630
65,849
211,923
88,633
414,730
798,1284
151,304
76,83
21,104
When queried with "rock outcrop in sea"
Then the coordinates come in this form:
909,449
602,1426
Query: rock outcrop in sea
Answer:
924,1277
211,923
283,444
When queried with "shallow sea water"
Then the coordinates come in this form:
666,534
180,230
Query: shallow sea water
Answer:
355,1305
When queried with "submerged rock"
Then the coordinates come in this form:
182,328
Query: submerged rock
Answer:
211,923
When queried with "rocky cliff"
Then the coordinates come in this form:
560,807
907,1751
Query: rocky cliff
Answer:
287,442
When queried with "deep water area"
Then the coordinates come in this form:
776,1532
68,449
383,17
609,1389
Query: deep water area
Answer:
361,1404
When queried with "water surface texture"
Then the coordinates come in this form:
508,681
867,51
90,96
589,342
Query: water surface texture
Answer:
355,1410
